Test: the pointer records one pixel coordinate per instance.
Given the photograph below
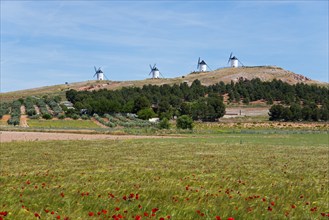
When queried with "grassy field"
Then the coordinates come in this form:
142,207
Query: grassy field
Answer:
243,176
62,124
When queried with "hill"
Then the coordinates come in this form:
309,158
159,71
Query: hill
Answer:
265,73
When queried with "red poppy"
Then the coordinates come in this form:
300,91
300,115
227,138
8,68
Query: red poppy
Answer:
62,194
58,217
293,206
46,210
155,210
146,214
91,214
124,197
138,217
269,208
104,211
230,218
218,218
117,209
37,215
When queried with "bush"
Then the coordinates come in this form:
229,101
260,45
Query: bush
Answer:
184,122
61,116
85,117
13,121
146,113
164,124
75,116
34,116
47,116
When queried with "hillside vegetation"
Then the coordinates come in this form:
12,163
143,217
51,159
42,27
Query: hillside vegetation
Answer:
265,73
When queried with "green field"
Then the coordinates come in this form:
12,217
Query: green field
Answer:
62,124
244,176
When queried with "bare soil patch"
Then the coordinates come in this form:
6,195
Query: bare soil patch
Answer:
23,110
9,136
23,121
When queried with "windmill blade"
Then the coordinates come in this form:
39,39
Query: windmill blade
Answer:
198,63
95,69
209,67
240,62
230,57
151,72
95,74
106,77
99,69
161,74
154,66
151,67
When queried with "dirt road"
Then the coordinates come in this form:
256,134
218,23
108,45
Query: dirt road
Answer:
8,136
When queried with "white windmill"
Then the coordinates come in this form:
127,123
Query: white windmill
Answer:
155,72
234,61
202,66
99,73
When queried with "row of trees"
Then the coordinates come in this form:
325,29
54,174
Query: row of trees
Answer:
296,112
197,101
153,101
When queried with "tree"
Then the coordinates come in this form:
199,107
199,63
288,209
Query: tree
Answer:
146,113
276,112
141,103
184,122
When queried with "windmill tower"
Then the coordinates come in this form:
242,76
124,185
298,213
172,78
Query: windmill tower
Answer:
155,72
99,73
202,66
234,61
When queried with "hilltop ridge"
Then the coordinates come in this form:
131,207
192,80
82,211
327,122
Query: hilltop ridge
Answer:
264,73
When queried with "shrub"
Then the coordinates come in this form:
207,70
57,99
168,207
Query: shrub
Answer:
34,116
85,117
184,122
47,116
164,124
75,116
61,116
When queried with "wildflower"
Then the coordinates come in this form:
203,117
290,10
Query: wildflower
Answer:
91,214
218,218
138,217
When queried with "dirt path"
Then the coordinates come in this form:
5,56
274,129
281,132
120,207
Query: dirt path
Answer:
23,121
98,123
37,109
23,110
9,136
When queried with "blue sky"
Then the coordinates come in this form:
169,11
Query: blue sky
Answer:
53,42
